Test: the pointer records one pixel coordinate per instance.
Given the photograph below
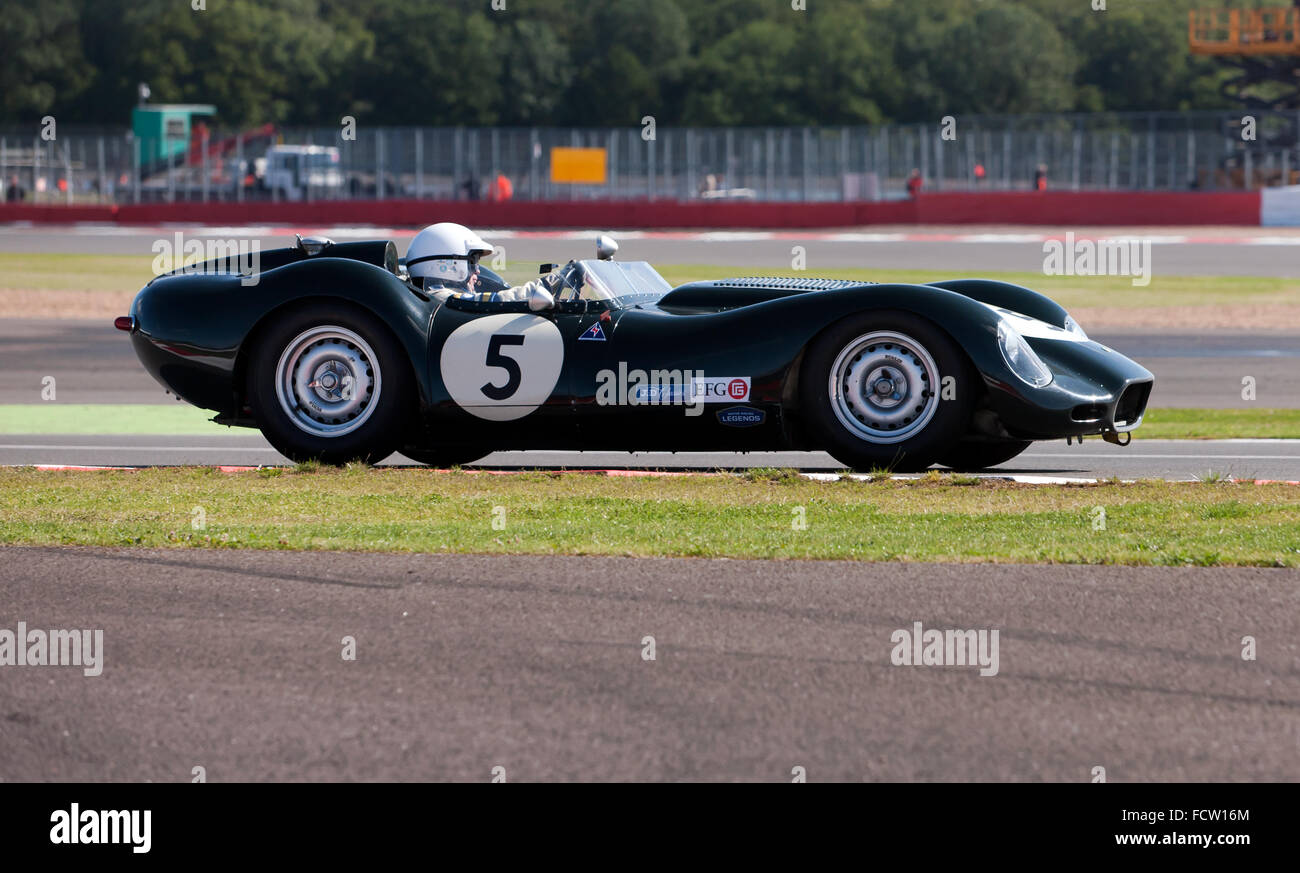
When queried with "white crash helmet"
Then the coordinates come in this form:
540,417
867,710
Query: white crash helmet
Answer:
445,254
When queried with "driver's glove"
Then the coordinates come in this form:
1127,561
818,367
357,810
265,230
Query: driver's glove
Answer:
540,299
552,280
540,292
537,293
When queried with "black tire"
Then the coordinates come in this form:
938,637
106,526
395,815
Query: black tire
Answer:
372,422
888,439
443,458
968,455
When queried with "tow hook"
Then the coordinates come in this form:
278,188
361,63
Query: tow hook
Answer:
1119,439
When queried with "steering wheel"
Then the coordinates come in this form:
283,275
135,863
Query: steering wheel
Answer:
567,282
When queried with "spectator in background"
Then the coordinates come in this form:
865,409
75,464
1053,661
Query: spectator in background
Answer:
472,188
979,173
501,188
15,193
914,183
1040,178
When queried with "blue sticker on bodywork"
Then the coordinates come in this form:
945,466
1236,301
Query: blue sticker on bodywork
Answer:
595,332
741,416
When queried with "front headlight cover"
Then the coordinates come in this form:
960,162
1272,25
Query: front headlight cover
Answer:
1020,357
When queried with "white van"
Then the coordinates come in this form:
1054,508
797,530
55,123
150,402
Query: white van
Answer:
299,172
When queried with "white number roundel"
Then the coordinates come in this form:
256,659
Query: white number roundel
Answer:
502,367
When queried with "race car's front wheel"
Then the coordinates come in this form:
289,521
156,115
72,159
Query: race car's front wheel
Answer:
887,390
329,383
969,455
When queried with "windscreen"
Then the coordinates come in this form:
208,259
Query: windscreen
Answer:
610,280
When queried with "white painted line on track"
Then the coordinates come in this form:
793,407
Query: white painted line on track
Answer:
235,230
1105,455
733,236
864,237
136,448
1144,455
1243,440
1000,238
685,455
1159,240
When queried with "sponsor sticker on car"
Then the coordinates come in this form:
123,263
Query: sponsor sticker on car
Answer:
720,389
670,393
741,416
636,387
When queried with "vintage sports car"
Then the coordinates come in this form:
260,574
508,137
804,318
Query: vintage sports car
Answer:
335,355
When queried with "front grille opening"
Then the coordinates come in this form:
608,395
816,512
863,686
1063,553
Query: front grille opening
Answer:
1132,404
1088,412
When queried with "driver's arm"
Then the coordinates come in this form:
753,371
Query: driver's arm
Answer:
518,292
550,282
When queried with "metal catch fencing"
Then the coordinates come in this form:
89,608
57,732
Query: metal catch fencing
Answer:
1109,151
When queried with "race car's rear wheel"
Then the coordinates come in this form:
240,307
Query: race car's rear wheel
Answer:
887,390
968,455
329,383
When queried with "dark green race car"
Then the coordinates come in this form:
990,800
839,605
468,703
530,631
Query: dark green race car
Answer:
335,355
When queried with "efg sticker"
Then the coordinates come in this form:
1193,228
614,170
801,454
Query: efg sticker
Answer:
720,389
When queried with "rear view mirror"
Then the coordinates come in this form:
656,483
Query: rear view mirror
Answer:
605,247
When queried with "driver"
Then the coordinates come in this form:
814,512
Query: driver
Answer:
443,260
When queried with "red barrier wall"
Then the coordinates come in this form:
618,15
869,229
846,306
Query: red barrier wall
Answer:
1092,207
1053,208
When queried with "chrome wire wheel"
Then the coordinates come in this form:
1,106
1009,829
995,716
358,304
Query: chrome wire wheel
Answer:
328,381
884,387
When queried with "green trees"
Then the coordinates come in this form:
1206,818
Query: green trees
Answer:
1005,59
629,58
256,61
810,69
597,62
41,58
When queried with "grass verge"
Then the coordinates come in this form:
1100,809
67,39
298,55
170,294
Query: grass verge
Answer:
165,419
1222,424
766,514
123,273
75,272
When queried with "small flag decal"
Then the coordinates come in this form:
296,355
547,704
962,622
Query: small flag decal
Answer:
595,332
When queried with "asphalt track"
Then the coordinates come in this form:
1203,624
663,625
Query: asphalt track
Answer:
232,661
1210,252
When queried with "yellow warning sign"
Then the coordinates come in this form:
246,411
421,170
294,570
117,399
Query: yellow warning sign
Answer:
578,166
